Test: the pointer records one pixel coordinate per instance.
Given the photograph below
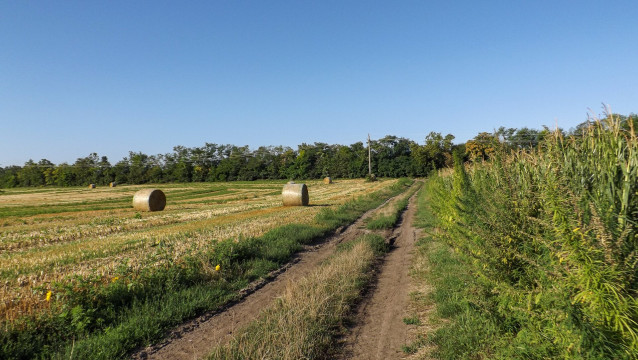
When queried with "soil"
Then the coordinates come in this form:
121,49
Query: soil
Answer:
378,330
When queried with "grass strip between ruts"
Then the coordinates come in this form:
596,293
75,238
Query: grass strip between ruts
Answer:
304,321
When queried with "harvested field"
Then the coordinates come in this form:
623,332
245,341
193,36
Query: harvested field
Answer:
50,235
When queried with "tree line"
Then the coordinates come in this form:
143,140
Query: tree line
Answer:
392,156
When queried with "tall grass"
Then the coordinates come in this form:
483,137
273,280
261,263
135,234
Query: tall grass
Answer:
551,238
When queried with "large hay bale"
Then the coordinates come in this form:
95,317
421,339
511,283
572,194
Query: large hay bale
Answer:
327,180
295,195
91,186
149,200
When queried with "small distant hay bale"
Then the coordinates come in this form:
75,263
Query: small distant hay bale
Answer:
149,200
113,184
327,180
291,182
295,195
91,186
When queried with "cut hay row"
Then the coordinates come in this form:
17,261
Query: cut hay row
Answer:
50,247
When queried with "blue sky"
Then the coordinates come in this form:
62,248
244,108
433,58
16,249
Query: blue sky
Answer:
111,76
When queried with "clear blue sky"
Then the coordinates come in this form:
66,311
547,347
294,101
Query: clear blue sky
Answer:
111,76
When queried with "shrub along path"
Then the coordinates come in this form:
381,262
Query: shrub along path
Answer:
196,338
378,329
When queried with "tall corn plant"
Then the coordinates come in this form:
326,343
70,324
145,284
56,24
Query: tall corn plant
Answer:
551,235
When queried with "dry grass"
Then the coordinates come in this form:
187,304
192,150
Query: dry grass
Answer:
40,249
301,323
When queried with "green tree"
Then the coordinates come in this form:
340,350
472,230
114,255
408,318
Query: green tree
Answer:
86,170
30,175
482,146
9,176
138,168
64,175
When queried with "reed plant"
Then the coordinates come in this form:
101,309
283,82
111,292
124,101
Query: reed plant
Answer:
550,235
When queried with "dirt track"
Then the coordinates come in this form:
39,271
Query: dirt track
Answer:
196,338
379,331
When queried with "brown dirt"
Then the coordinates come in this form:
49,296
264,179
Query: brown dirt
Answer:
197,337
378,331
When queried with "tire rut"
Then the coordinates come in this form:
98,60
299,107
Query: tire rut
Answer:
195,339
378,331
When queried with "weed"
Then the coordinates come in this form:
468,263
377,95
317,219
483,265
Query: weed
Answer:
413,320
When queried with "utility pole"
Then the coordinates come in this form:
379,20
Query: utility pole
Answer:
369,157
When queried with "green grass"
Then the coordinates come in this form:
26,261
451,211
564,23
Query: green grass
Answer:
382,222
413,320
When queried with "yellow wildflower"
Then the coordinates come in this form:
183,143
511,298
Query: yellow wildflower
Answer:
115,279
49,295
217,267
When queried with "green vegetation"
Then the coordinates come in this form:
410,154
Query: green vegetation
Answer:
537,253
304,322
93,319
413,320
388,221
391,157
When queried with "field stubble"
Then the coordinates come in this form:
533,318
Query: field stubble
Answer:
94,232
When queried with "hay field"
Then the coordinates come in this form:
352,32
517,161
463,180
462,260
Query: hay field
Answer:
49,235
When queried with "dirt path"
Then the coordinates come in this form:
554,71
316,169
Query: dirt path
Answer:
196,338
379,331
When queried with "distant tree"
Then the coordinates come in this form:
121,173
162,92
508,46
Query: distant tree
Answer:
121,171
9,176
86,170
287,164
359,164
392,156
341,165
104,173
482,146
524,138
64,175
139,166
47,168
30,175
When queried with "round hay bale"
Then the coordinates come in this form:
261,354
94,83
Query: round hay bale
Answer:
149,200
91,186
113,184
291,182
327,180
295,195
